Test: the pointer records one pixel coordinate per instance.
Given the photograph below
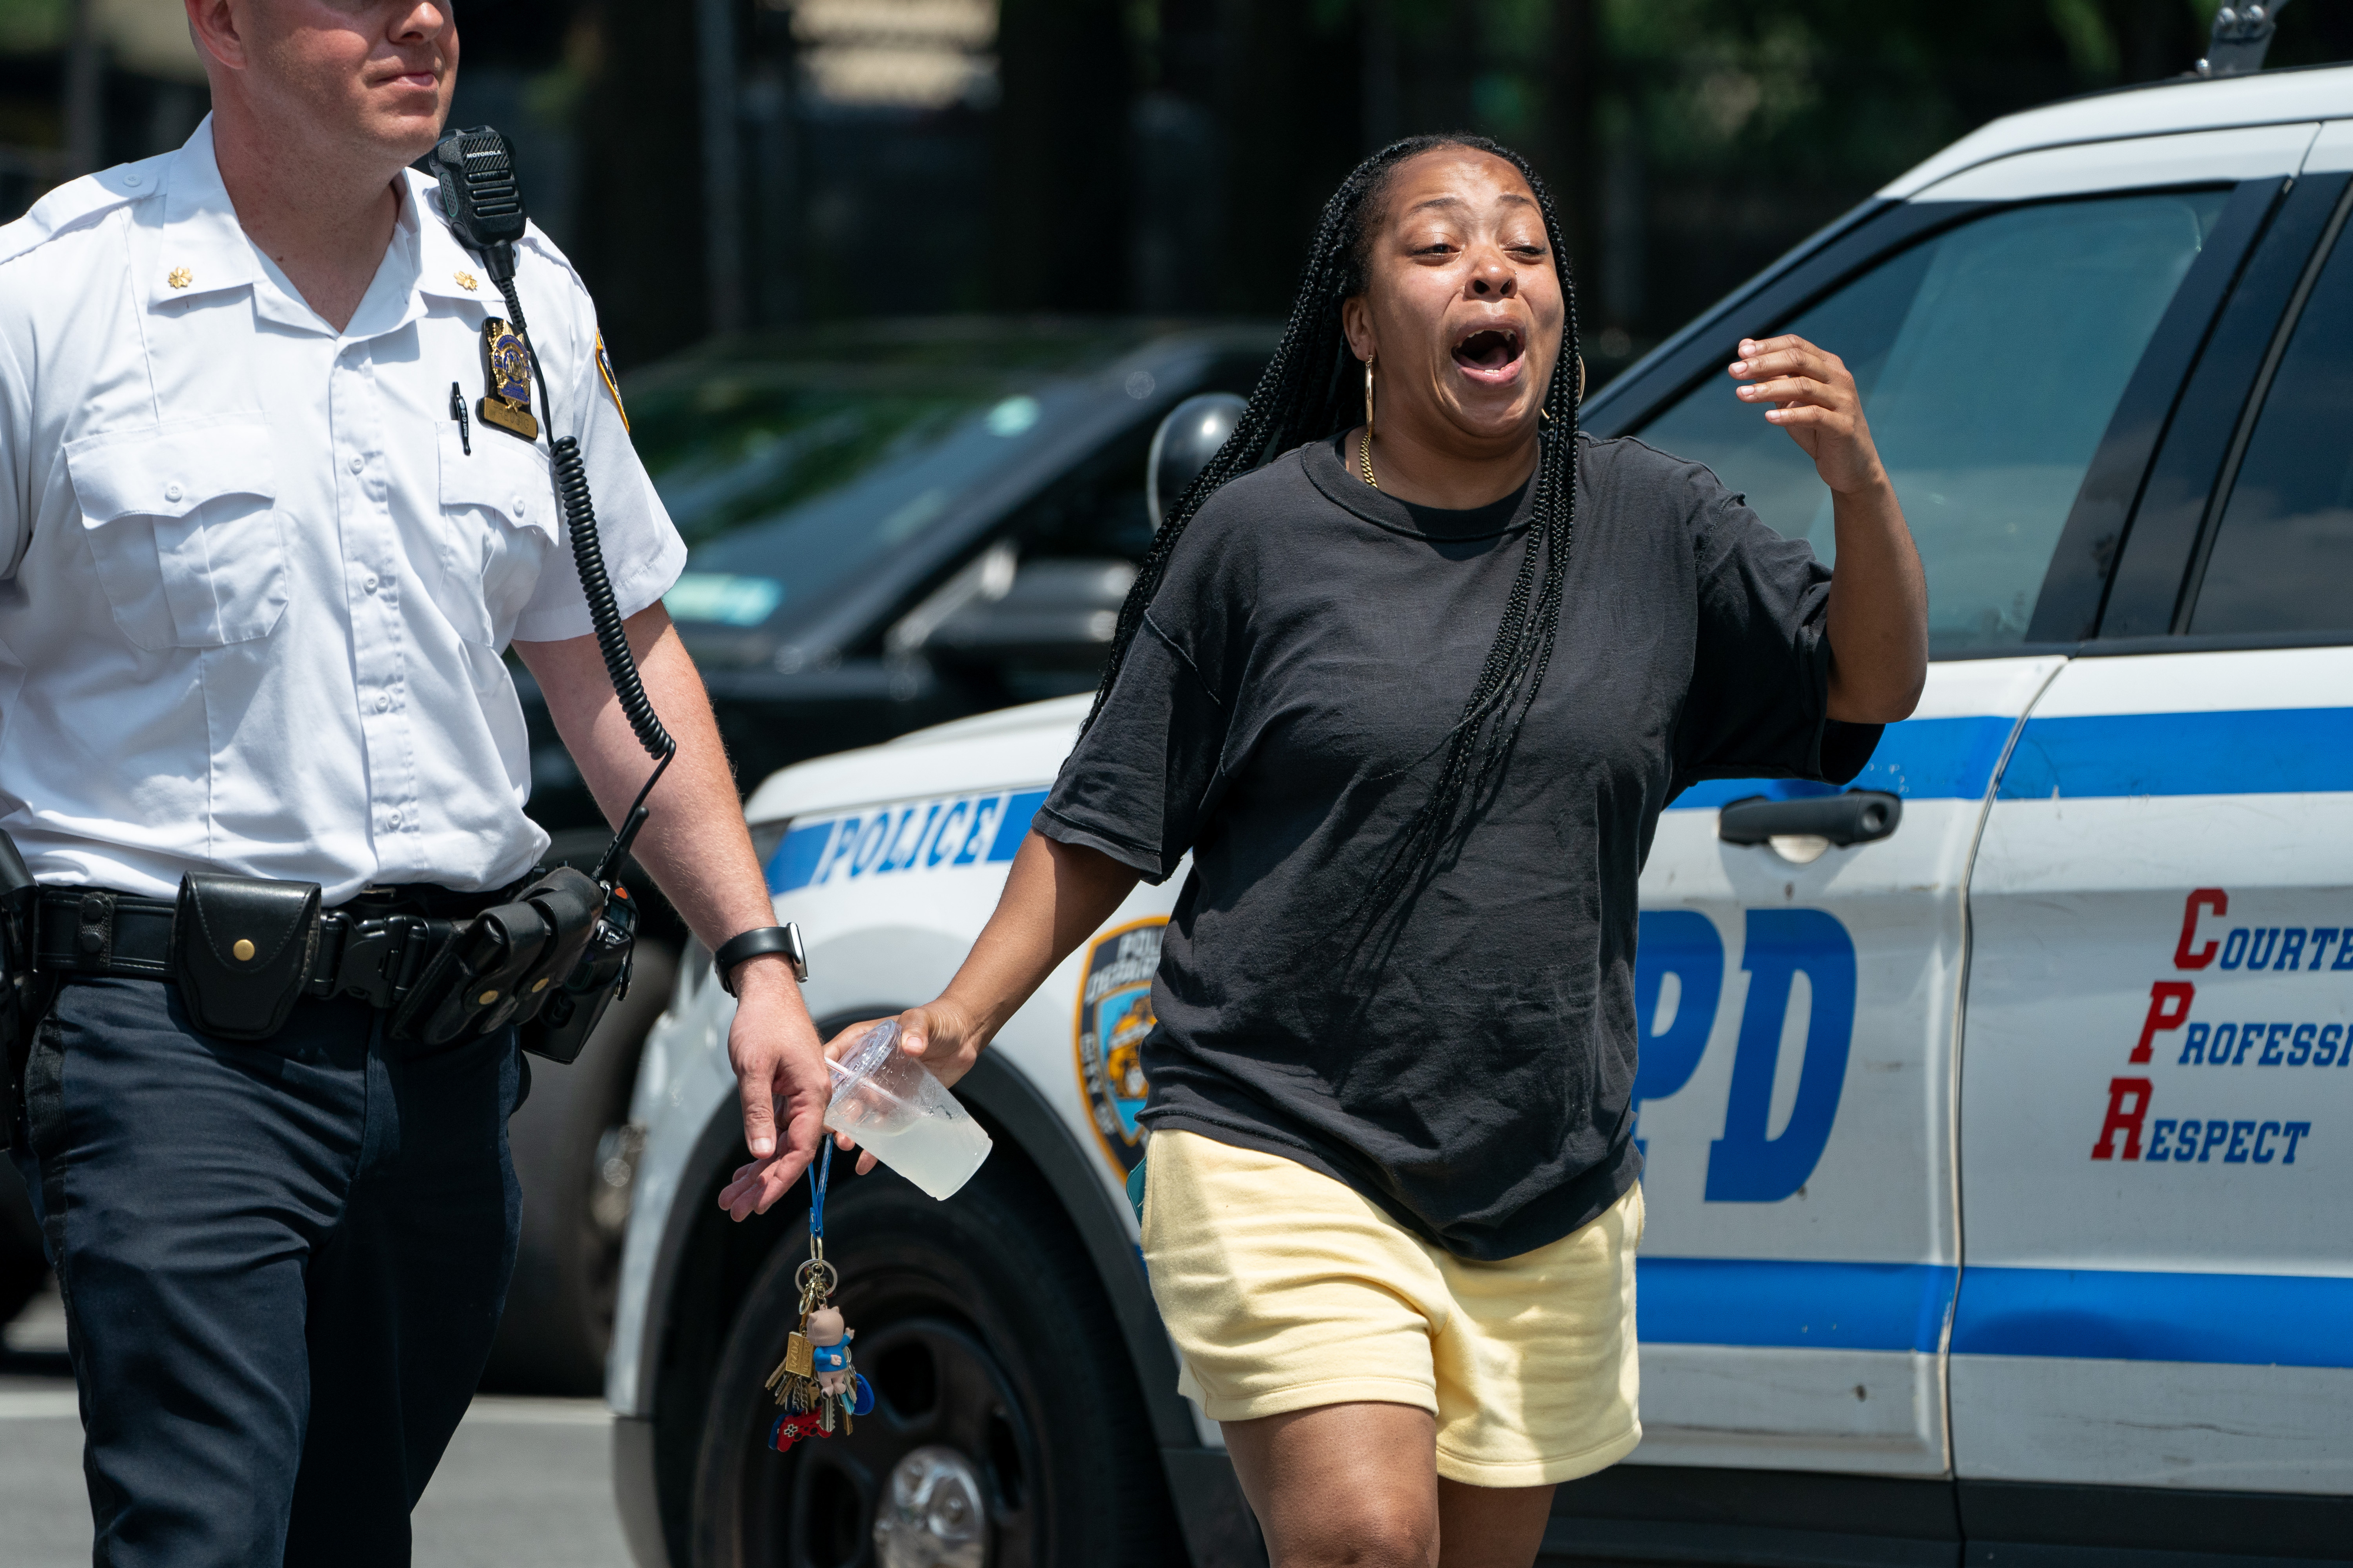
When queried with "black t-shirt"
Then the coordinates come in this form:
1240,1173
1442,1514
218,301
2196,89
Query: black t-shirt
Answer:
1283,711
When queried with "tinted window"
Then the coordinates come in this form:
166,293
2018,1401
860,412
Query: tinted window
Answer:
1990,359
793,464
2282,556
806,497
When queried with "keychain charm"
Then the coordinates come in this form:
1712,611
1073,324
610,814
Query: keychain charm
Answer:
820,1389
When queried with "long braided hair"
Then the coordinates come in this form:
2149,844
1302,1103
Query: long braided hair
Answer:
1310,391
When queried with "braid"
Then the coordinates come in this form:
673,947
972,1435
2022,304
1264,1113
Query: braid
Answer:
1308,392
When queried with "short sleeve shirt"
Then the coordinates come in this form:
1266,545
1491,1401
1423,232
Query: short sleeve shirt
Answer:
1283,711
256,579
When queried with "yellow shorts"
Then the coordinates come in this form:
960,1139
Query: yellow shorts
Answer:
1285,1289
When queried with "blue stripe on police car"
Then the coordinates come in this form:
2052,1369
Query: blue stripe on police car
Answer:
1919,759
2262,751
926,835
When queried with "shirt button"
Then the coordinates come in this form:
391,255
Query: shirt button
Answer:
392,818
369,585
172,493
382,701
358,463
133,180
518,507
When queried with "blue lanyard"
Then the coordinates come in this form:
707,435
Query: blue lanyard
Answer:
819,1174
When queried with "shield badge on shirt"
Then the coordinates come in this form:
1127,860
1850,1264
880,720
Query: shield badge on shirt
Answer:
506,375
1115,1014
612,382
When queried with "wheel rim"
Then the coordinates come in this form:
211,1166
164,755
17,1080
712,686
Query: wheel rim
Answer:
943,1411
933,1514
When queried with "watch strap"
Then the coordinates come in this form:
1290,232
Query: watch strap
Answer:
759,942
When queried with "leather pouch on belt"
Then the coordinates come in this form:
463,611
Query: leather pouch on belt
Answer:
241,950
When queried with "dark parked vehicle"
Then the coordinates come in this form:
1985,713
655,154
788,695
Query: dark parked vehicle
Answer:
891,525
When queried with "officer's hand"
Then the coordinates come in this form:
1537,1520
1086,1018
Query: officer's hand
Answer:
780,1071
1813,397
938,1034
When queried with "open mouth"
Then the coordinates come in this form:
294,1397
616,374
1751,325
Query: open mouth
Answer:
1490,351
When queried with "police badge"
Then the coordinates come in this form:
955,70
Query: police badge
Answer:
612,384
506,372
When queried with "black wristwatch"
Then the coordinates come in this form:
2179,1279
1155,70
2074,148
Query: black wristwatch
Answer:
758,943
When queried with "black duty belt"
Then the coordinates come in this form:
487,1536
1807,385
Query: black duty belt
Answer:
374,949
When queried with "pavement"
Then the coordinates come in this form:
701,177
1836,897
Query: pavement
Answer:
527,1483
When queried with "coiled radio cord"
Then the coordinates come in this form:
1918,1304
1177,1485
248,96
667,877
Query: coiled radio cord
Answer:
596,584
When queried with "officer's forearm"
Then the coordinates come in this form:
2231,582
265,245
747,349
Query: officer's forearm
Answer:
695,843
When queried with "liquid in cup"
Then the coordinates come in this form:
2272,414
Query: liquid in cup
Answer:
891,1105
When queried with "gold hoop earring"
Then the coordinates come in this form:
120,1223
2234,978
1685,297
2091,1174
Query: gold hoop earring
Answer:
1364,452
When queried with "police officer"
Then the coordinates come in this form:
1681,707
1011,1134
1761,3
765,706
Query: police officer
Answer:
256,578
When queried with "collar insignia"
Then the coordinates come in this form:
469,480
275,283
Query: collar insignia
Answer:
180,278
506,375
468,282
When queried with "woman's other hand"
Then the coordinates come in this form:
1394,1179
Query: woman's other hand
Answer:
1813,397
943,1038
1055,895
938,1034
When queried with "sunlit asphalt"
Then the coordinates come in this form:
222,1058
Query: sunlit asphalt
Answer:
527,1483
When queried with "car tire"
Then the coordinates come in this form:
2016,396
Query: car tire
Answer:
558,1323
995,1367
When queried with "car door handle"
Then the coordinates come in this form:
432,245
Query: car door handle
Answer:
1857,816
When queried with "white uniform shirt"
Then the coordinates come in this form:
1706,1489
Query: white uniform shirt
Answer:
253,589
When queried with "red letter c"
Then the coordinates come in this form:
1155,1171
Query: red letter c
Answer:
2184,955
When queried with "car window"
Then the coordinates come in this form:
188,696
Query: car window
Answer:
2282,554
816,483
1991,357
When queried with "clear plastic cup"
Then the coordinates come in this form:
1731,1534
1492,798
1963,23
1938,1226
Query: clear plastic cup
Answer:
891,1106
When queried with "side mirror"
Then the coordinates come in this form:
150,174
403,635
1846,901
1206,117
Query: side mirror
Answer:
1184,444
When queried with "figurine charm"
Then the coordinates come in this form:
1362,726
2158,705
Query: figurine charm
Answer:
817,1385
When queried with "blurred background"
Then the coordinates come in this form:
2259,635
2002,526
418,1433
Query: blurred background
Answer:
716,166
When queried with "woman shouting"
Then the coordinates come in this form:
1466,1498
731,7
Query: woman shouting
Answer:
1411,672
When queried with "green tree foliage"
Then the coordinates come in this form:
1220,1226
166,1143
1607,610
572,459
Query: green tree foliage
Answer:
1694,140
27,27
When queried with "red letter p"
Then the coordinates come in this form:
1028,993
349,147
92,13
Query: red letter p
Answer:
2168,1004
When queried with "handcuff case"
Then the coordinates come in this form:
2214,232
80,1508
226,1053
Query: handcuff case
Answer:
241,952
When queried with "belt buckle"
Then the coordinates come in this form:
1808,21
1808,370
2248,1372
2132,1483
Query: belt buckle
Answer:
371,966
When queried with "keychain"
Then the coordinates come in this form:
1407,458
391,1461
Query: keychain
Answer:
816,1384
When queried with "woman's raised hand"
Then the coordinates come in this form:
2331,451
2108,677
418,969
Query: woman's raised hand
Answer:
1877,617
1814,399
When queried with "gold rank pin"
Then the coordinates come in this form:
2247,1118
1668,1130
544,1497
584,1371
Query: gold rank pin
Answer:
506,374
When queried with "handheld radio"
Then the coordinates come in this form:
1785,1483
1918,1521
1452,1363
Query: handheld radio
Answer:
553,958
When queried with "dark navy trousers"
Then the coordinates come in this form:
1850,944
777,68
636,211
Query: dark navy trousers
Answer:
282,1265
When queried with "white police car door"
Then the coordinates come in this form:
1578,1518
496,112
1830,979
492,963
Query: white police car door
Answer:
2158,1095
1797,1088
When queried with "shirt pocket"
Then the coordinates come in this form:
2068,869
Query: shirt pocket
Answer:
181,522
498,527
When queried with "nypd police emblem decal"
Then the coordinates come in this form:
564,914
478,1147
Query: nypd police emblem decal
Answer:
1115,1014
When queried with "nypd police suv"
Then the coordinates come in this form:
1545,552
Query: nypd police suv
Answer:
1998,1118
